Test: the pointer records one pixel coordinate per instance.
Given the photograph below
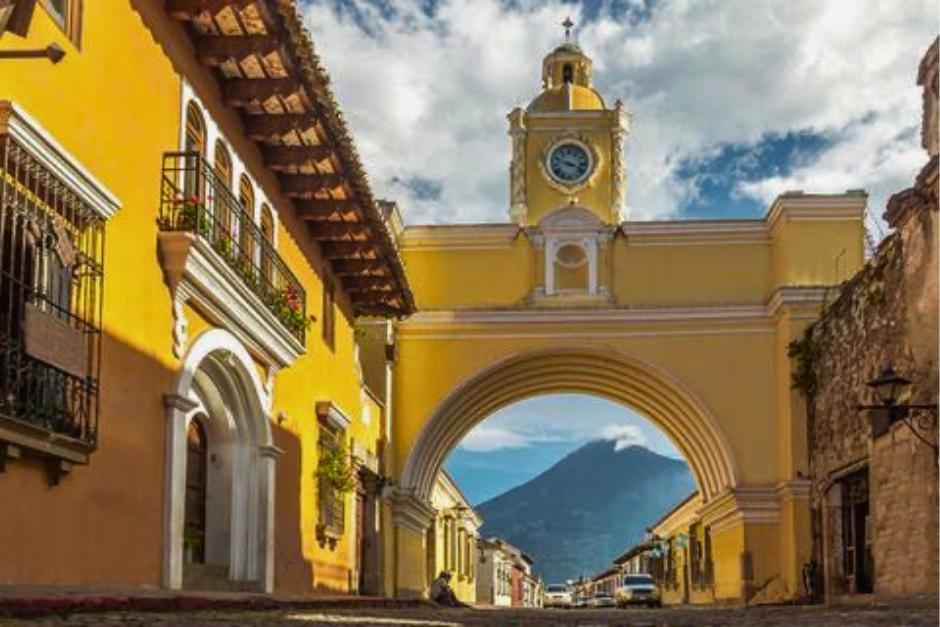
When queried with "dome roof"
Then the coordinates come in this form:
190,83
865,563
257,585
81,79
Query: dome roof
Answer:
567,97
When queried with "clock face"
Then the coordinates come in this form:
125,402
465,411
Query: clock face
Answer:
569,163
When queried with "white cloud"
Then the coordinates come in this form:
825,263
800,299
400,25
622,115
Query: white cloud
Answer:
624,436
564,418
484,438
426,96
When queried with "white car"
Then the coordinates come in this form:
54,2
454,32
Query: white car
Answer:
602,599
557,595
639,589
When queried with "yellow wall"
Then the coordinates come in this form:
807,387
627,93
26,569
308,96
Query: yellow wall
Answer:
115,106
710,306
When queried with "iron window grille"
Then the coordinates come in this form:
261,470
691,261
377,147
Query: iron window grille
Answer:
331,501
51,285
194,199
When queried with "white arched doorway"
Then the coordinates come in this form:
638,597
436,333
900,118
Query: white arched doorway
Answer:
219,519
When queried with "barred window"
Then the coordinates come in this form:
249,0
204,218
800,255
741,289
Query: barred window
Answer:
51,274
332,504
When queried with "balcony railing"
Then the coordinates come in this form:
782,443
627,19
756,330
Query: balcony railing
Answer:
51,280
195,200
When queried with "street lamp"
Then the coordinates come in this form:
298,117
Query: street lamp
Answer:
888,387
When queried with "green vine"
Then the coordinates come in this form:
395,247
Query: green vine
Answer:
335,470
804,352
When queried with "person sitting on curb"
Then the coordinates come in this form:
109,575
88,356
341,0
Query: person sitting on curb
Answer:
441,593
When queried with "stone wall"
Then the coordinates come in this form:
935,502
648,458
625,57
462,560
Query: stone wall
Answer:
886,314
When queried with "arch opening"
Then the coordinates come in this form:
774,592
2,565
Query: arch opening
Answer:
607,374
552,454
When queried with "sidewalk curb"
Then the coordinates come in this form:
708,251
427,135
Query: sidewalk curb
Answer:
34,607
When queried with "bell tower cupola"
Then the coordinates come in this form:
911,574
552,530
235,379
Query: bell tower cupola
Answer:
568,146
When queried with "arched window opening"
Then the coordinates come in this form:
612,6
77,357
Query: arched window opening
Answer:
571,268
267,232
246,198
223,172
567,73
195,144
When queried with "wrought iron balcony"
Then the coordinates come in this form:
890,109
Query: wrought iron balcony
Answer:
51,274
195,200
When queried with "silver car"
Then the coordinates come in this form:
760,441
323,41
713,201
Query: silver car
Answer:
558,595
638,589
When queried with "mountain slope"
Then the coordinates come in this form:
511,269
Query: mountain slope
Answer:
575,517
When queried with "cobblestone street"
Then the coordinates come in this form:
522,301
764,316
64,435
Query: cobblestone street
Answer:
856,615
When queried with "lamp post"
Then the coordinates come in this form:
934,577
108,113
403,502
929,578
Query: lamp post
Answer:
888,387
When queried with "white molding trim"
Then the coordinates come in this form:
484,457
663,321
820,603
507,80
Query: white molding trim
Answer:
410,511
251,559
742,505
44,148
785,299
328,411
613,315
209,284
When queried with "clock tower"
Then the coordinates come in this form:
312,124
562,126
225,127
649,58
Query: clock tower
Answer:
567,145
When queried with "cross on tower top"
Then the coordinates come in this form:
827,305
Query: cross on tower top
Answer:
567,24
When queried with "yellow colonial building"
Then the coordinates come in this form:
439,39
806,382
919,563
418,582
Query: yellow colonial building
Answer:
187,238
212,374
687,322
452,538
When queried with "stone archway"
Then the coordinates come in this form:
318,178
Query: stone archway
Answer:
218,385
604,373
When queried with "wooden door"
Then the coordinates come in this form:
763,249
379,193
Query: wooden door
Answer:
361,539
194,529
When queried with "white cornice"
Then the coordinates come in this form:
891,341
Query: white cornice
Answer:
605,316
849,205
410,512
210,285
43,147
329,412
685,514
750,505
786,299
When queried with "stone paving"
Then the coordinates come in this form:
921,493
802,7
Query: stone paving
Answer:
841,616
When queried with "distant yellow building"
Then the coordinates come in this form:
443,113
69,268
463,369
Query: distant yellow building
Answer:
187,237
687,569
453,537
687,322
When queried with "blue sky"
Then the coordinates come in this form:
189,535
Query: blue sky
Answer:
732,102
523,439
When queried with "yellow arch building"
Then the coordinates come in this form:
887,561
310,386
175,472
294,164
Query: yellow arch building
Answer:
687,322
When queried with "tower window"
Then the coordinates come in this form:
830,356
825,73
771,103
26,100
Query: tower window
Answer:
567,73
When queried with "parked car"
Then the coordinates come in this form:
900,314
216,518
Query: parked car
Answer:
602,599
558,595
580,601
639,589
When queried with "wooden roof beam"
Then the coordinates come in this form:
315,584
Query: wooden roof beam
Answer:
186,9
238,92
349,250
339,230
218,49
360,267
276,125
280,157
368,283
307,184
323,209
